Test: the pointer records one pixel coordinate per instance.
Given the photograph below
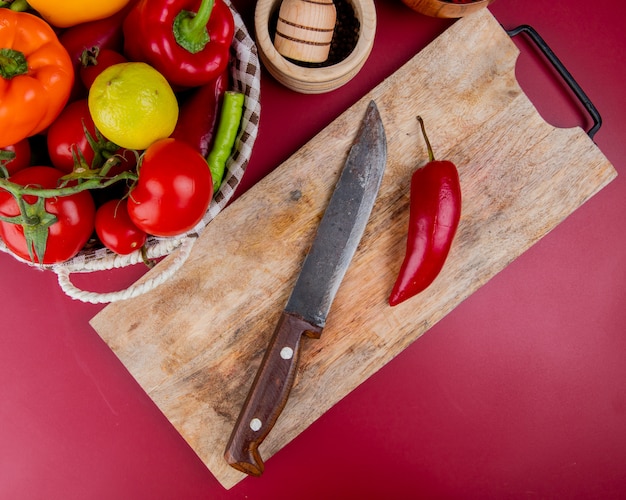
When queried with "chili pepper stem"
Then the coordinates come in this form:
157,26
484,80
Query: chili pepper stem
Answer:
145,259
431,155
190,28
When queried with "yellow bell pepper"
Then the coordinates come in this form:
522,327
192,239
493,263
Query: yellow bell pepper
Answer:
72,12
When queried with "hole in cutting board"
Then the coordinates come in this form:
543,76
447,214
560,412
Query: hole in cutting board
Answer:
554,100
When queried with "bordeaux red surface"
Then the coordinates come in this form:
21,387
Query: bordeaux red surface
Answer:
519,393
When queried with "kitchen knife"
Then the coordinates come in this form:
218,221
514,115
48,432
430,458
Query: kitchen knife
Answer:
337,238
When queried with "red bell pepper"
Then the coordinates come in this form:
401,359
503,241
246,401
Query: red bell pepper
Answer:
187,41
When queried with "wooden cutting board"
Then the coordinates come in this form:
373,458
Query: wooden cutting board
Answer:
194,343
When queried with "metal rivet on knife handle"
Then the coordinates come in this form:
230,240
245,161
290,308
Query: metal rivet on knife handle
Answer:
268,395
286,353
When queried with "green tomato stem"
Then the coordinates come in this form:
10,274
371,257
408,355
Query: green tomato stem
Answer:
19,191
35,224
6,157
33,217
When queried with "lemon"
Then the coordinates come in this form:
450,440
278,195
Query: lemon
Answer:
133,105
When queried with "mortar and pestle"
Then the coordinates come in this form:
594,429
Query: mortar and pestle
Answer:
316,46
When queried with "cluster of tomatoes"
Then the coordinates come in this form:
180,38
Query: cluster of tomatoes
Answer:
66,187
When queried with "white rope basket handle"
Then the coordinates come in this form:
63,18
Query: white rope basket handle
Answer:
63,275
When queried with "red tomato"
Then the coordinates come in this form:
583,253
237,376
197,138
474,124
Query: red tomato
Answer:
173,191
67,134
67,235
116,230
22,156
104,33
97,63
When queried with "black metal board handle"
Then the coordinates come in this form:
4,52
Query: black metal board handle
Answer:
565,74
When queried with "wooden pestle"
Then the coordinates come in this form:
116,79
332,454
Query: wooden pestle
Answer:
305,29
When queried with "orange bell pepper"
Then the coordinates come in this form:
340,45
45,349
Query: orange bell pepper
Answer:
36,76
72,12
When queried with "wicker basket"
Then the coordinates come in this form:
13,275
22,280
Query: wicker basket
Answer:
246,77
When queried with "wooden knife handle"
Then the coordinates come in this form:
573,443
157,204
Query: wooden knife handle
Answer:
268,394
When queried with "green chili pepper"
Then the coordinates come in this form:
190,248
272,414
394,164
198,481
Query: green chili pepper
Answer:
228,126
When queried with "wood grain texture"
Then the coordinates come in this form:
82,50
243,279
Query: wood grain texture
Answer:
195,343
305,29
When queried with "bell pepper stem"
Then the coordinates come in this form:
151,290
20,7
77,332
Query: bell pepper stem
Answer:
15,5
20,6
190,28
12,63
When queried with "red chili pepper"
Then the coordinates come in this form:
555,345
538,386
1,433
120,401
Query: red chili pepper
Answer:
198,114
435,210
187,41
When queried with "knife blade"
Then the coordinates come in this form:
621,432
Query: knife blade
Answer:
323,269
